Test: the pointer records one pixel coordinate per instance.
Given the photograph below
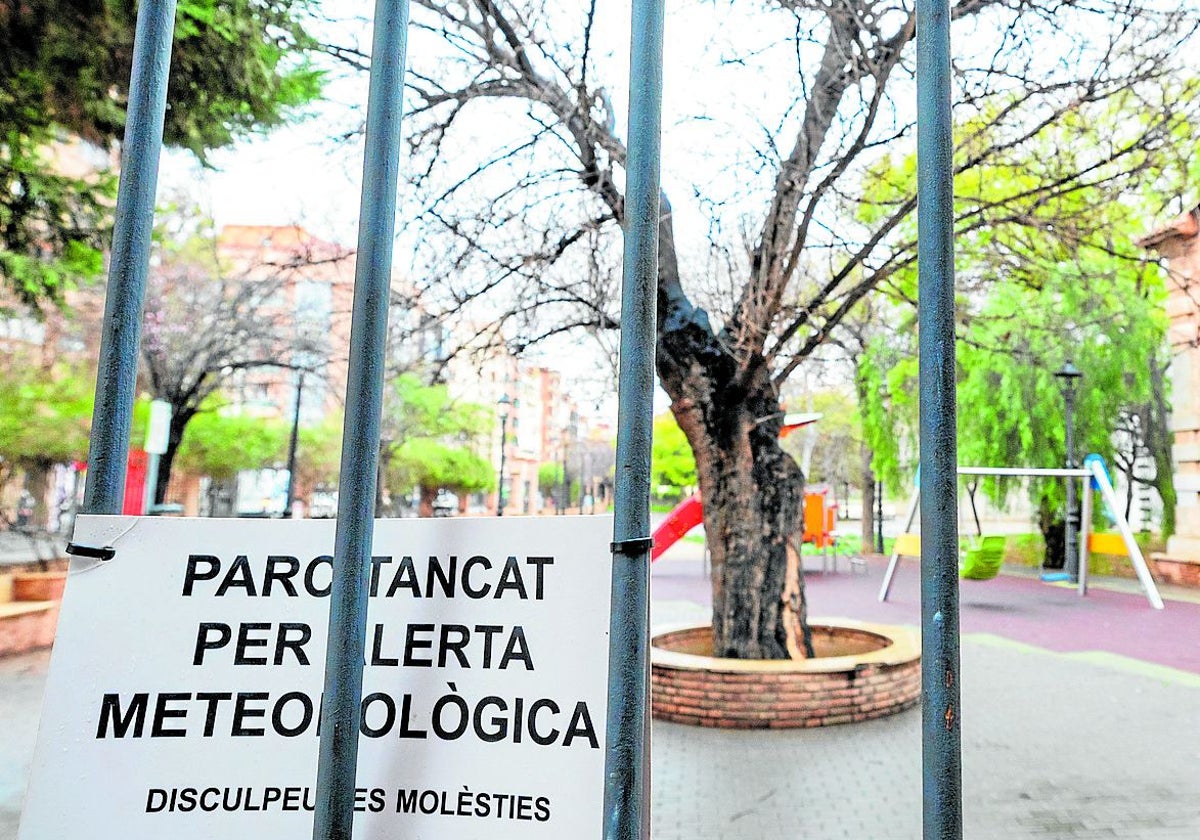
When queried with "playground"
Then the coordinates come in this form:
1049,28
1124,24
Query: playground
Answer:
1080,697
1080,719
1114,620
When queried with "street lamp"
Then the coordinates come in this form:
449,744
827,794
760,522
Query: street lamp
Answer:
504,403
885,400
1069,376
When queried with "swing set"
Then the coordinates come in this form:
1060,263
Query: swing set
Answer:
982,560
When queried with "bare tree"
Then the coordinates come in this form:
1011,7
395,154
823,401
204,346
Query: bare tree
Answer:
206,324
536,207
1143,439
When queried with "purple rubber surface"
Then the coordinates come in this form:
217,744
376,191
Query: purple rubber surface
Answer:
1018,608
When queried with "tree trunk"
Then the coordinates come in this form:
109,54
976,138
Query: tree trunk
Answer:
37,482
1159,440
752,491
724,399
428,494
868,500
1054,535
180,417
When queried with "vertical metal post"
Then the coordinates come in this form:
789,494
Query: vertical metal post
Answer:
503,452
1085,528
116,375
151,488
940,711
626,762
341,704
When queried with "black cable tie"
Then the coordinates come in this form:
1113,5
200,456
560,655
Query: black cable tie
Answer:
97,553
631,547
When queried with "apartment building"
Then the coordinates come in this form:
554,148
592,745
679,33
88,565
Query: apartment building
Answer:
308,305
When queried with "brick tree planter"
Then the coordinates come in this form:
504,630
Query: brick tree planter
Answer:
38,586
861,671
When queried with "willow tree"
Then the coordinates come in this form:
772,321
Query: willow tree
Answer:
1076,286
1100,311
520,163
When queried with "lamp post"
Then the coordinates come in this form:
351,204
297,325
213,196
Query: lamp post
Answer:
1069,376
504,402
885,400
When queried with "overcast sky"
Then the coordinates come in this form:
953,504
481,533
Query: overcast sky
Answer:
717,108
729,79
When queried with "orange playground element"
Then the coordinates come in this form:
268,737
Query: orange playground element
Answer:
820,516
690,512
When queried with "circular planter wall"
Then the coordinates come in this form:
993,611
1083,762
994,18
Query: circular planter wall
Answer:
38,586
861,671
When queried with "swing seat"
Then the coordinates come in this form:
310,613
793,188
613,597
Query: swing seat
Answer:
983,560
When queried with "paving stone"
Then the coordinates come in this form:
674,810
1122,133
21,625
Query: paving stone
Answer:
1052,747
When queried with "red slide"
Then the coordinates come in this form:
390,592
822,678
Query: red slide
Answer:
687,515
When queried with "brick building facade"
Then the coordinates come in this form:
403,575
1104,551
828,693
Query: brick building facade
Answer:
1179,243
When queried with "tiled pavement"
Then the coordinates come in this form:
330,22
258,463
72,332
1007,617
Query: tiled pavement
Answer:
1052,747
21,681
1081,719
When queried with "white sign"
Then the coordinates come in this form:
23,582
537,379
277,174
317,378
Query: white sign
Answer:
158,430
184,691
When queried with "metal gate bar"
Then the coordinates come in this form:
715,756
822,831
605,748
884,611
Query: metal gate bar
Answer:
941,737
626,809
341,702
116,375
627,760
